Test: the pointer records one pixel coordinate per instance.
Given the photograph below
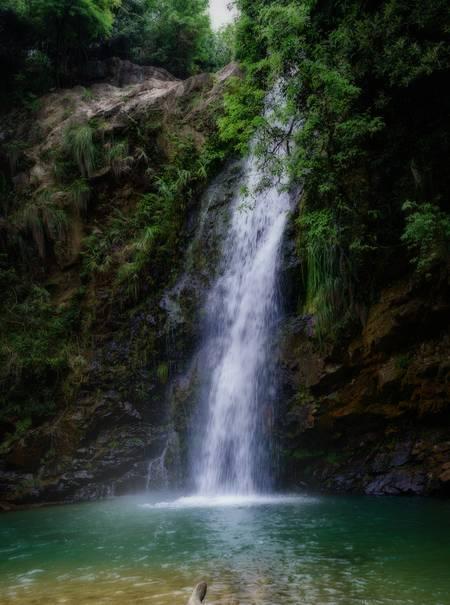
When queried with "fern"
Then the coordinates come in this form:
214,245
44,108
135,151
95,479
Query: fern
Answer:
129,275
79,193
55,221
31,220
146,241
427,235
45,220
79,143
326,270
162,372
118,159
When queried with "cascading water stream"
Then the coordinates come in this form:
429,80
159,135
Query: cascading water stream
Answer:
240,312
156,470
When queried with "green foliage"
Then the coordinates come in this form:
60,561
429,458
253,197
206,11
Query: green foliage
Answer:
327,269
79,193
222,47
135,442
167,33
35,76
162,372
93,17
360,83
43,41
69,26
44,220
33,350
79,144
305,454
243,105
309,456
97,253
118,158
157,221
141,248
133,249
318,240
14,153
427,235
88,95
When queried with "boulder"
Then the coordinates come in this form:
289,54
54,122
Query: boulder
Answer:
198,594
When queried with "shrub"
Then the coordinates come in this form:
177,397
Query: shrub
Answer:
319,248
118,158
243,104
427,235
79,144
162,372
79,193
45,220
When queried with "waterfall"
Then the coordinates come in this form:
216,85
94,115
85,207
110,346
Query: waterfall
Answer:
241,310
156,470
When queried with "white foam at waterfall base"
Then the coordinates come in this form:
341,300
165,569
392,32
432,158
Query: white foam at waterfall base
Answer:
227,500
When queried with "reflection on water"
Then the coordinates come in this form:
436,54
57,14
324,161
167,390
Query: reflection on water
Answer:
314,551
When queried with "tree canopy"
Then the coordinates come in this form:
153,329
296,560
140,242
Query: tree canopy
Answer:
169,33
43,43
363,84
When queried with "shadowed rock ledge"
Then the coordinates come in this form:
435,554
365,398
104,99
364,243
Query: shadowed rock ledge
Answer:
371,415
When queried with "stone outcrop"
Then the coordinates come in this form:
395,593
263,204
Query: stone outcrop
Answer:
130,390
121,73
372,415
126,94
369,415
198,594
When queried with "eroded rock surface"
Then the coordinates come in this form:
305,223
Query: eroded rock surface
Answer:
122,423
372,416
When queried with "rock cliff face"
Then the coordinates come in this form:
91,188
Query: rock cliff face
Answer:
129,95
127,428
123,410
368,415
371,415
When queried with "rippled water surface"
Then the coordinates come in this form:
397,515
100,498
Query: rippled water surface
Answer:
311,551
